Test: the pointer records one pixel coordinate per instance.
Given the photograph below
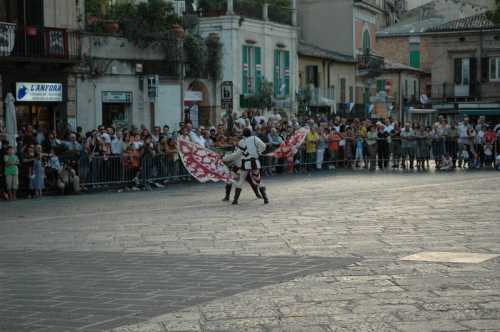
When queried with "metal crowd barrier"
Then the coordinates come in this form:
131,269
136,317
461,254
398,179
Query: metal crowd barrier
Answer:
150,170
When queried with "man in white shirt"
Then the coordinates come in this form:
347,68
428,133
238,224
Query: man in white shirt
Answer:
117,143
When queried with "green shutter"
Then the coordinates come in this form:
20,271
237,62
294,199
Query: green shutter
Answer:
258,70
380,85
415,59
287,73
276,73
244,70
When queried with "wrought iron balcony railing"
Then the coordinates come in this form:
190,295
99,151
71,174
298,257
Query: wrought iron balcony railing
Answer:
21,42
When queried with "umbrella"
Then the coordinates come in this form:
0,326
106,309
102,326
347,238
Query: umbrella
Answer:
11,122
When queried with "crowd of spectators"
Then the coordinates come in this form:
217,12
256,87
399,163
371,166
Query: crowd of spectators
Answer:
71,160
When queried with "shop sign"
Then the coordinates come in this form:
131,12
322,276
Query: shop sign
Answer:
49,92
116,97
193,96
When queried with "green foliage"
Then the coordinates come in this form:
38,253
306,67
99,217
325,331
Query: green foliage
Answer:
93,7
147,22
195,51
494,15
214,57
212,5
262,100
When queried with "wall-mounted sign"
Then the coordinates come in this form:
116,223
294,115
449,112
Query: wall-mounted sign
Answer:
193,96
48,92
116,97
227,94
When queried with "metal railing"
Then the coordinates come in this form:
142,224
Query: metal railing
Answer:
449,91
38,42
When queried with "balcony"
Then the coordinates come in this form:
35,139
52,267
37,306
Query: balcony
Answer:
449,92
370,65
38,44
249,9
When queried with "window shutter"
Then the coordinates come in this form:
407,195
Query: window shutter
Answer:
415,59
287,73
258,70
485,69
380,85
276,73
245,69
458,71
473,75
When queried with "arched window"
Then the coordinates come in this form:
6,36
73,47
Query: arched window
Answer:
366,42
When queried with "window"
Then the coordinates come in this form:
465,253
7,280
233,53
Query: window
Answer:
342,90
495,69
415,55
414,89
252,70
312,76
351,94
8,11
366,42
281,73
406,89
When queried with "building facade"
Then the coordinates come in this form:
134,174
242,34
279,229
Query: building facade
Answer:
39,50
466,67
256,52
326,79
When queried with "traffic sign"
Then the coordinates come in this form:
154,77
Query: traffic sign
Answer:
227,94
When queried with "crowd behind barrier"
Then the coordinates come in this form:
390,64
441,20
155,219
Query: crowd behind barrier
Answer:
135,159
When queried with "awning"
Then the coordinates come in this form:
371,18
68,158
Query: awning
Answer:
479,112
422,110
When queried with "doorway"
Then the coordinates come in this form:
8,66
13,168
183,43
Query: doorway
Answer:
114,115
41,116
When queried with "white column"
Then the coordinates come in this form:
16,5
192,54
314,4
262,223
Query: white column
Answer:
293,11
230,7
265,12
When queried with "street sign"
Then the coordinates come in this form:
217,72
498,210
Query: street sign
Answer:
227,94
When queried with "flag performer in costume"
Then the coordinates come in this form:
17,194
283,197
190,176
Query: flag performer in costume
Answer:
249,150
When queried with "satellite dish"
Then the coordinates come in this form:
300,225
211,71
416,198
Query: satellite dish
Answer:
424,99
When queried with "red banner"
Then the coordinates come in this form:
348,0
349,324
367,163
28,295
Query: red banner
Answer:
289,147
203,164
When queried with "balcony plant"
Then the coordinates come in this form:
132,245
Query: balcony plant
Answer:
211,7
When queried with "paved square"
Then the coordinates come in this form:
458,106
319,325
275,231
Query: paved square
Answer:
325,255
449,257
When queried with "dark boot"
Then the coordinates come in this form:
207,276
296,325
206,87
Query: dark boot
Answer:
236,196
264,195
228,193
256,191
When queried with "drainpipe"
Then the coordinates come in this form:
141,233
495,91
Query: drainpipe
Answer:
230,7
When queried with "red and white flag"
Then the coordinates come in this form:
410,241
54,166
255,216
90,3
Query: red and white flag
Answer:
203,164
289,147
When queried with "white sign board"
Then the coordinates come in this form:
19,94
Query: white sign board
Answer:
117,97
47,92
193,96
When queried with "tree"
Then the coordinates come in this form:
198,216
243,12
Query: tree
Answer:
494,15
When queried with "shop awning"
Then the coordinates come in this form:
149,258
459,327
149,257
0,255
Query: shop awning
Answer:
478,112
422,110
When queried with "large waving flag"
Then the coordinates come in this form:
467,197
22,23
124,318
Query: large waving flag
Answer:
203,164
289,147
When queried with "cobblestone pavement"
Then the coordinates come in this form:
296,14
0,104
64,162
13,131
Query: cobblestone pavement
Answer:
323,256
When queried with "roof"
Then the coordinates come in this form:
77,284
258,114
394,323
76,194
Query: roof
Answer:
306,49
435,13
396,66
476,22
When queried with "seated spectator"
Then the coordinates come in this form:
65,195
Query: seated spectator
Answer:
446,163
68,181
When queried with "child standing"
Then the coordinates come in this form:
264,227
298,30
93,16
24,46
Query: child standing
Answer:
359,151
11,173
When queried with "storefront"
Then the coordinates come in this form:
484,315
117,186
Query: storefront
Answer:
116,108
39,104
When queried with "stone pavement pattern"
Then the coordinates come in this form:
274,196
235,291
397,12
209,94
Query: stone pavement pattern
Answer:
323,256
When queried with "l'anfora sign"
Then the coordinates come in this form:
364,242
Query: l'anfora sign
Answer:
45,92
